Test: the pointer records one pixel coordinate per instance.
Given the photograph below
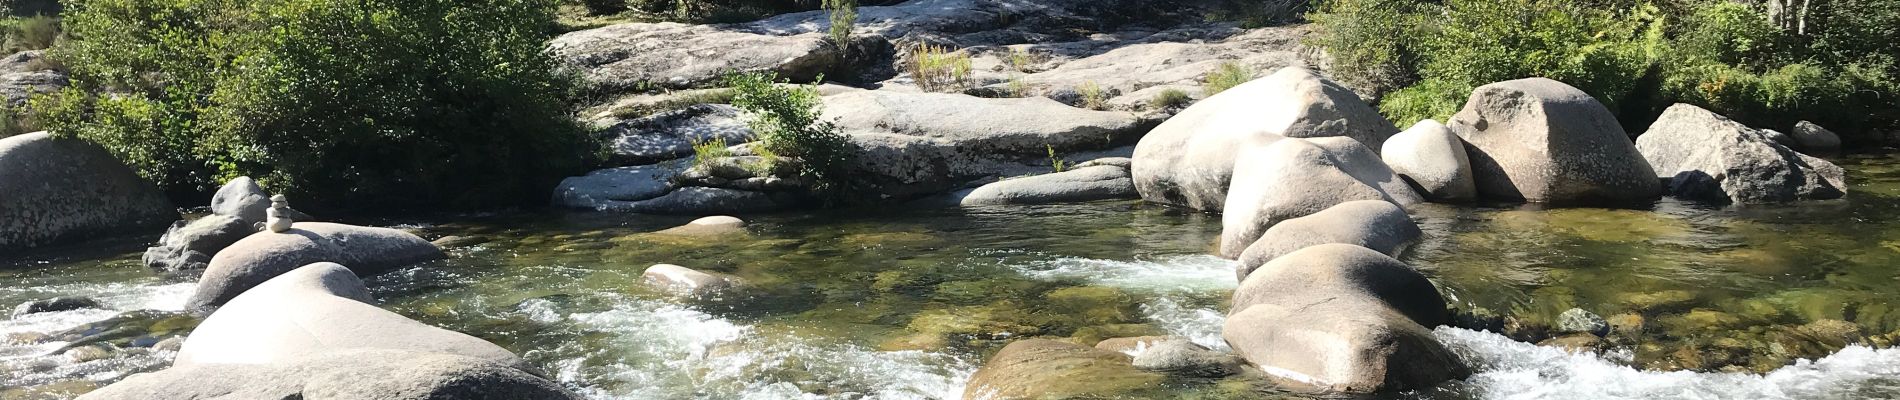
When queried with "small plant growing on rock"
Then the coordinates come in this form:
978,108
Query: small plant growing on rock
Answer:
843,14
937,67
786,118
707,150
1226,76
1171,98
1017,87
1020,60
1056,164
1093,97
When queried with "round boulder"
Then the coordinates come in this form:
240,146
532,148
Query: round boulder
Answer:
684,281
1543,141
55,304
68,190
1189,160
241,198
1101,182
1814,138
1317,273
708,226
265,255
1373,224
1049,369
349,374
1433,160
189,246
1293,178
1708,157
1327,343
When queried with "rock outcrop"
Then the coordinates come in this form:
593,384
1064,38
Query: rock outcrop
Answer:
67,190
1189,160
311,333
1293,178
1432,158
1339,318
265,255
981,126
1048,369
1543,141
1373,224
1101,182
640,55
1708,157
188,246
18,87
671,135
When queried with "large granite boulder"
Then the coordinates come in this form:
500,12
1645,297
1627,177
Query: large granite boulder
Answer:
1708,157
1049,369
265,255
241,198
1432,158
1101,182
1814,138
1541,140
189,246
1373,224
635,56
318,308
68,190
672,134
342,375
1344,319
1189,160
1293,178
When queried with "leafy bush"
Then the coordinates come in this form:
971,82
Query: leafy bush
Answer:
1093,97
31,33
364,103
843,15
14,121
1637,57
937,67
1170,98
1226,76
786,118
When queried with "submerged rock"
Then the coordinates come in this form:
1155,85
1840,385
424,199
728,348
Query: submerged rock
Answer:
1373,224
1100,182
1182,357
67,190
1543,141
1432,158
708,226
55,304
1708,157
1293,178
265,255
684,281
1576,320
1190,159
1048,369
345,374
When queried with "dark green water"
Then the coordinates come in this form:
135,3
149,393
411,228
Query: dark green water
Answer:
904,304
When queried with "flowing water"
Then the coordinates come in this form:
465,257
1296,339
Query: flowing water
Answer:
1733,303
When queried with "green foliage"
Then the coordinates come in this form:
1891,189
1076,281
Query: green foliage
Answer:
1637,57
14,121
1017,87
843,15
1258,13
360,103
708,150
604,7
1170,98
1056,164
30,33
938,68
1020,60
1226,76
1093,97
786,118
714,11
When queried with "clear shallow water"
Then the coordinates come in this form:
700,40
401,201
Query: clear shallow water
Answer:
907,304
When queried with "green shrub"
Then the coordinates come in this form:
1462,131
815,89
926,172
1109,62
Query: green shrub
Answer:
1372,43
786,118
1056,164
938,68
1170,98
1226,76
1431,99
1093,97
359,103
605,7
843,15
14,121
708,150
31,33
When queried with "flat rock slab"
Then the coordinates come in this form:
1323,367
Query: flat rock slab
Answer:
1102,182
641,55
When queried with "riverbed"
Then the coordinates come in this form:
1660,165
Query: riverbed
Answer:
906,303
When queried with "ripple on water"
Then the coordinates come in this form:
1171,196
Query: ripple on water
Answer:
1173,273
651,349
33,364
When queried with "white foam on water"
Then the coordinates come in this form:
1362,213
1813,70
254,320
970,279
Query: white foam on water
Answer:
26,364
654,350
1199,324
1176,273
1508,369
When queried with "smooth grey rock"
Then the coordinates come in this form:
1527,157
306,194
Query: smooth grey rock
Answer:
62,303
1576,320
18,87
242,198
634,56
1374,224
1815,138
1543,141
1293,178
672,134
1708,157
317,309
1077,185
684,281
985,126
189,246
1123,162
601,189
1051,369
265,255
1340,318
1182,357
67,190
1432,158
1778,137
1190,159
342,375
